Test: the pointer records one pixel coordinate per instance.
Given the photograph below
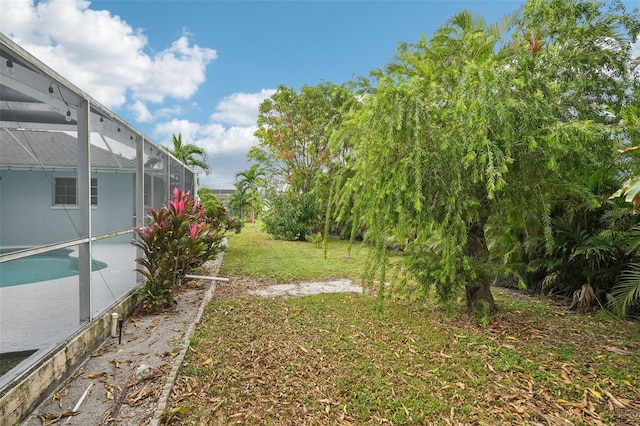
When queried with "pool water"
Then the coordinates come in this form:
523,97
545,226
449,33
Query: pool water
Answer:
42,267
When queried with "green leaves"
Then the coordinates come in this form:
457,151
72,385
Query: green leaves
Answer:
626,293
178,239
189,154
470,127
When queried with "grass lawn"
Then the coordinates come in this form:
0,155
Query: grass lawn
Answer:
337,359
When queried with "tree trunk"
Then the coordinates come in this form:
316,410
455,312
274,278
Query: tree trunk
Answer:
478,296
478,291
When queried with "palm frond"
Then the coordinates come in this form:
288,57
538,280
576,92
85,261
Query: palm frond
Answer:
626,292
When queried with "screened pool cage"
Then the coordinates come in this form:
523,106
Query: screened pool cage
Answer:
75,179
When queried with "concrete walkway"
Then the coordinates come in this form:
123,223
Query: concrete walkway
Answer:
127,380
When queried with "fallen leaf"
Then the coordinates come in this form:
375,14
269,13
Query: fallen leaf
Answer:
56,396
615,400
490,367
207,361
571,404
618,351
94,375
526,377
595,393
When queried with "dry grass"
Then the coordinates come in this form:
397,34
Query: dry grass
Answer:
336,359
339,359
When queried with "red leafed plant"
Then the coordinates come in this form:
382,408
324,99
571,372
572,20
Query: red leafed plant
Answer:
177,240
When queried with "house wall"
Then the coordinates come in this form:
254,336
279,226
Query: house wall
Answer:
28,217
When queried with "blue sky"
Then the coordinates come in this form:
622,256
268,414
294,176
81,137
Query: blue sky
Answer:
201,68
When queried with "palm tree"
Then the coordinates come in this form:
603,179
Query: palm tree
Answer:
239,201
188,153
249,180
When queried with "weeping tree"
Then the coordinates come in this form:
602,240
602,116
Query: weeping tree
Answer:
469,132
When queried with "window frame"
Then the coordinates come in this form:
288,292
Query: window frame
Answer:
65,184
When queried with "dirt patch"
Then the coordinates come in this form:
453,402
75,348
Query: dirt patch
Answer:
308,288
239,286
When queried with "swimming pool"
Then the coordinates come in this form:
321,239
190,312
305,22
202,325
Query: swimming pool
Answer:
42,267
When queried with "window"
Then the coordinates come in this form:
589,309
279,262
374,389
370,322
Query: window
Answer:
66,192
94,191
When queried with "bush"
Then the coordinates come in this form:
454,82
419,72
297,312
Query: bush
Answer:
178,239
291,216
217,212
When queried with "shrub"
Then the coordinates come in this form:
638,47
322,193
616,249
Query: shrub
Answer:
291,216
178,239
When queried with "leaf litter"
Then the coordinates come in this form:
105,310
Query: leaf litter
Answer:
338,359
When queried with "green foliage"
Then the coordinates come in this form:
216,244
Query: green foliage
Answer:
591,244
217,214
631,188
190,154
626,293
296,152
239,201
294,131
291,216
470,132
248,185
178,239
316,239
482,314
580,256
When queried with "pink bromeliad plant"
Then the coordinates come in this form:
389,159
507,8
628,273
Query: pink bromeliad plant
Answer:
177,240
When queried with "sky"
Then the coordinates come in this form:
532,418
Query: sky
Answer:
201,68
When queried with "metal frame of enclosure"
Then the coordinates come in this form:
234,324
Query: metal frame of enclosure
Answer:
75,179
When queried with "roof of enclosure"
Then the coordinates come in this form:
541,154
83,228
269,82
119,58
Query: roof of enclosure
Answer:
35,97
56,150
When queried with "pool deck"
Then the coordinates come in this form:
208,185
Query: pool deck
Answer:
41,315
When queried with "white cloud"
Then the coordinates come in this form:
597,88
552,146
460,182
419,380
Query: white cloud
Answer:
176,72
163,132
217,137
140,111
102,54
112,61
226,147
213,137
241,109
